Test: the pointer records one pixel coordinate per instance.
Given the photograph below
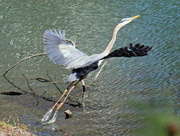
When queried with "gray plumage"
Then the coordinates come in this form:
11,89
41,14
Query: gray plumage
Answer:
59,50
62,52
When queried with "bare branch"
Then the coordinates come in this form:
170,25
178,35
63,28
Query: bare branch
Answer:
44,98
31,90
100,71
54,83
71,42
25,53
32,56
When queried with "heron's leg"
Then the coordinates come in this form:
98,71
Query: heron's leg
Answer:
61,104
62,95
49,112
83,95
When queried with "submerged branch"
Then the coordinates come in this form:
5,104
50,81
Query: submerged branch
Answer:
54,83
39,79
74,104
31,90
25,92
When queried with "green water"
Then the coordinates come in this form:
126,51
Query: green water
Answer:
152,80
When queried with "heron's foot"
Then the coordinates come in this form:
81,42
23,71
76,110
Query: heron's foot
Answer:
54,118
46,116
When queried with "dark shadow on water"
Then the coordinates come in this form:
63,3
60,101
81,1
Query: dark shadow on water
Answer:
72,103
24,103
26,92
11,93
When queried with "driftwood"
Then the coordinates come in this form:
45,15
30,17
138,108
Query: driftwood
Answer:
39,79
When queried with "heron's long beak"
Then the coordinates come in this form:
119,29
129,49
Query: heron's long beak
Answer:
135,17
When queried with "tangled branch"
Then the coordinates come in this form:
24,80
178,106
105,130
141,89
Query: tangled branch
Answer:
32,56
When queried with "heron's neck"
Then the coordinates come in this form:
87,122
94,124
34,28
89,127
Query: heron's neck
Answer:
111,43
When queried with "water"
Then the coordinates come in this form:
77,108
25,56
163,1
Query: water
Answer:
152,80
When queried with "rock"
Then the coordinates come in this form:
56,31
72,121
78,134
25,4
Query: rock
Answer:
68,114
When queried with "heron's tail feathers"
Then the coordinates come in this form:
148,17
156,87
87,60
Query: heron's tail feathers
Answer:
72,77
130,51
54,37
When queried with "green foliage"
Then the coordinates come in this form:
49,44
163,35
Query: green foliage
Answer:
160,124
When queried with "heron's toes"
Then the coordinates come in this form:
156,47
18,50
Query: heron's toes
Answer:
54,118
47,116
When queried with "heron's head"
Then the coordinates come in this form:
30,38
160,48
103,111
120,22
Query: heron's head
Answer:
125,21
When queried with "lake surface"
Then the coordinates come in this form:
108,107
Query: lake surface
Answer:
124,83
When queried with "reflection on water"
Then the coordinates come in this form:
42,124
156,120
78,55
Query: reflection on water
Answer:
111,101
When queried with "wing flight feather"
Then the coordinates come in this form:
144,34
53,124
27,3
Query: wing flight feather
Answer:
59,50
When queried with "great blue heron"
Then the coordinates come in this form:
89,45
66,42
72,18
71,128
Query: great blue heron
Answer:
62,52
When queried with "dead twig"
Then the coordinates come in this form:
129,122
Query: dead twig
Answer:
32,56
31,89
99,71
75,104
73,43
54,83
30,93
25,53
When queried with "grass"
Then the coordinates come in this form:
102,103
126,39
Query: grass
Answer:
13,129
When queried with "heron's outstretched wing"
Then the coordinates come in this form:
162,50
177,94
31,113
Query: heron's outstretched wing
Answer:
130,51
58,49
86,61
